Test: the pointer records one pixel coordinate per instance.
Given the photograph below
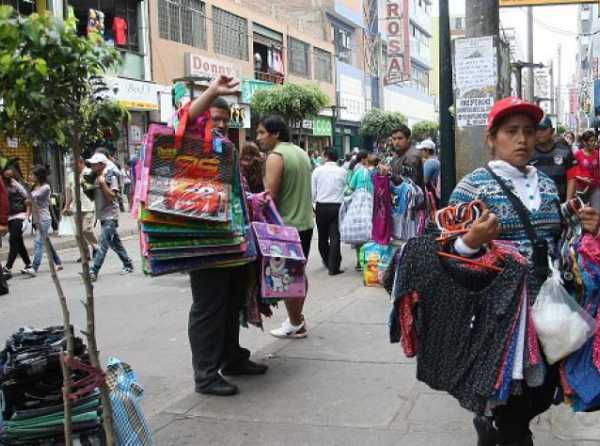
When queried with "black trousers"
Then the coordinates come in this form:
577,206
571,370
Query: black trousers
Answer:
329,234
214,327
512,420
16,244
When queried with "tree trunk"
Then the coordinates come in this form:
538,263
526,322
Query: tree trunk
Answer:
90,332
68,429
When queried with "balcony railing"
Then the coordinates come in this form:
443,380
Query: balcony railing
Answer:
269,77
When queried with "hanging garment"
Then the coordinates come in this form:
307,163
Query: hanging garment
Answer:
277,63
462,327
120,30
407,201
382,210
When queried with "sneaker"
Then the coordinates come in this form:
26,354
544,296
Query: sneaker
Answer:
93,277
6,273
126,270
58,267
287,330
29,272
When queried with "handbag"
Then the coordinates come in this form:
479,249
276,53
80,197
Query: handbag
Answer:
356,218
189,174
66,227
538,245
282,262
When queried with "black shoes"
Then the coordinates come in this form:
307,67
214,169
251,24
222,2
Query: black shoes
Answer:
246,368
218,388
336,273
486,432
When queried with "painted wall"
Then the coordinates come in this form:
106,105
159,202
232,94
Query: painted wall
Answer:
351,92
413,104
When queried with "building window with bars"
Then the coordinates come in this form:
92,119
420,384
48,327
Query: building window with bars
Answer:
230,33
323,66
298,57
183,21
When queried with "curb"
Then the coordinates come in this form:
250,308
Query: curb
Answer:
62,245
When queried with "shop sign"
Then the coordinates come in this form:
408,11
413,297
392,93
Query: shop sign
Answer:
250,86
133,94
351,98
136,134
305,124
322,126
396,71
198,65
240,116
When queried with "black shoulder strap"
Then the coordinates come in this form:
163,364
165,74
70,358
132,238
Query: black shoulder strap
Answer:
518,205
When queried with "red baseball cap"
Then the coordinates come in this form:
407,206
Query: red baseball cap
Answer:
512,105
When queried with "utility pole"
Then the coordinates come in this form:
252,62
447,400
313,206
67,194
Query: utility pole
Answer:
552,92
448,156
482,19
531,84
558,87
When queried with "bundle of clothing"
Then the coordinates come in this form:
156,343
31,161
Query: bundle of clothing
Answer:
190,203
31,399
398,209
469,325
580,258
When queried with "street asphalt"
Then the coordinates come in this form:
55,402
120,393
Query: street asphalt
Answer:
345,384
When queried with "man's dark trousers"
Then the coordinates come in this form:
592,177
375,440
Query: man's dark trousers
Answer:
329,235
214,326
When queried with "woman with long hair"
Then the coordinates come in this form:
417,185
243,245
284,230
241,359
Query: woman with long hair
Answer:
41,219
253,167
17,214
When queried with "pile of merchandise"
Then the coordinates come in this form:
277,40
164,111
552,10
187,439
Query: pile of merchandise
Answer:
190,203
31,401
580,257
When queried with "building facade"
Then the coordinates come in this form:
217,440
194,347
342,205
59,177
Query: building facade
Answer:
194,41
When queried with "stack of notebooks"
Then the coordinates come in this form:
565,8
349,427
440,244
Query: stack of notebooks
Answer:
190,204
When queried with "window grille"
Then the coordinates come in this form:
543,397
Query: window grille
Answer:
298,60
322,65
230,34
183,21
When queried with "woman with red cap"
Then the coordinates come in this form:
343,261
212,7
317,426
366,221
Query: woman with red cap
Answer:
518,198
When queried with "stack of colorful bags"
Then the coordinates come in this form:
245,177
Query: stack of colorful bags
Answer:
190,203
31,401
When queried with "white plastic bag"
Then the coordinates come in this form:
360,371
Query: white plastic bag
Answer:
66,227
562,325
27,227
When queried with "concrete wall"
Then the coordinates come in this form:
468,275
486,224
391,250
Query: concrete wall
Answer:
168,56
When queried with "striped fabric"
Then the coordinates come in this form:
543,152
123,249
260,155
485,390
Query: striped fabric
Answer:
131,428
480,185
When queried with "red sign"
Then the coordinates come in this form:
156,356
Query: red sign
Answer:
396,71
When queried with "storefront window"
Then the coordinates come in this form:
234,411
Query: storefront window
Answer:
115,22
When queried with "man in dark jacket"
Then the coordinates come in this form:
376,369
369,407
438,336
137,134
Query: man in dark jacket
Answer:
552,158
407,161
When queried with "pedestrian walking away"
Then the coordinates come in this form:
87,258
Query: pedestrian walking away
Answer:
88,215
3,230
42,220
328,184
17,215
218,293
107,212
288,178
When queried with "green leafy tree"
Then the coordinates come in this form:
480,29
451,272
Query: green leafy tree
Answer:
561,129
379,124
49,84
291,101
425,129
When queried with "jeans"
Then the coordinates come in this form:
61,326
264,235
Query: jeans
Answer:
17,246
329,235
214,324
42,230
109,237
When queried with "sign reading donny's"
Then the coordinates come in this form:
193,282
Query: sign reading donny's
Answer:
198,65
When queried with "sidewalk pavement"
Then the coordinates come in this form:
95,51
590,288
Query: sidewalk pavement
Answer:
127,228
345,384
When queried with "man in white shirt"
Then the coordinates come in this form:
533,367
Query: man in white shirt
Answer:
328,183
